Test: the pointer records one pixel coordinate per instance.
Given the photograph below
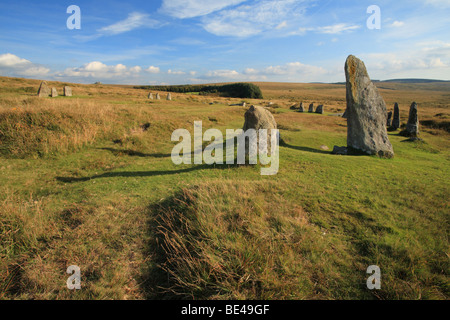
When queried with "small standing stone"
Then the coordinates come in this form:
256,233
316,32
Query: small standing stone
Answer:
259,118
158,97
67,91
54,93
319,109
311,108
396,119
150,96
389,119
302,108
44,90
169,97
412,127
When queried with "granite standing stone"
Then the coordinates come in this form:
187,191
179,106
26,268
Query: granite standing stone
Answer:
169,97
150,96
412,127
302,108
67,91
158,97
259,118
366,111
319,109
389,119
54,93
44,90
396,119
311,108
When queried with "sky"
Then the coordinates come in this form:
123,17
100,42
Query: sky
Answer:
160,42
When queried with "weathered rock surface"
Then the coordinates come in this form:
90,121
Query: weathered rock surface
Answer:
412,127
158,96
44,90
389,119
54,93
319,109
302,108
396,119
150,96
67,91
311,108
169,97
259,118
366,113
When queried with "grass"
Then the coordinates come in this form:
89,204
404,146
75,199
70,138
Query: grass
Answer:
85,181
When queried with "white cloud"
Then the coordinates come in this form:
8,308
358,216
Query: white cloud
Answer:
397,24
332,29
337,28
152,69
428,60
175,72
10,60
135,20
12,65
194,8
98,70
220,74
293,71
254,18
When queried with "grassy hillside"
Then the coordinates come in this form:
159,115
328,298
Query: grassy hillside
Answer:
89,181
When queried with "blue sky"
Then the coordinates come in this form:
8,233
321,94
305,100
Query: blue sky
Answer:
198,41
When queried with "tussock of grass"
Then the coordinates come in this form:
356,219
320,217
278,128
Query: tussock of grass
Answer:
243,240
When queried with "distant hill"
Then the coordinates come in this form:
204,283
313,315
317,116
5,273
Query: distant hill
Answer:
414,81
409,81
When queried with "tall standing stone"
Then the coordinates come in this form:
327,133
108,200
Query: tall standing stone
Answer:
389,119
67,91
366,112
396,119
150,96
412,127
319,109
158,97
54,93
169,97
44,90
311,108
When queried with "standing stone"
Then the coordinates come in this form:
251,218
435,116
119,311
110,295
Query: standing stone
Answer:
389,119
319,109
259,118
396,119
169,97
54,93
366,111
302,108
150,96
412,127
67,91
44,90
158,97
311,108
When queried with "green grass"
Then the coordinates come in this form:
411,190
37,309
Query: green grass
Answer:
140,227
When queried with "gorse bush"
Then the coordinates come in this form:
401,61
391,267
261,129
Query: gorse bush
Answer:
235,90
